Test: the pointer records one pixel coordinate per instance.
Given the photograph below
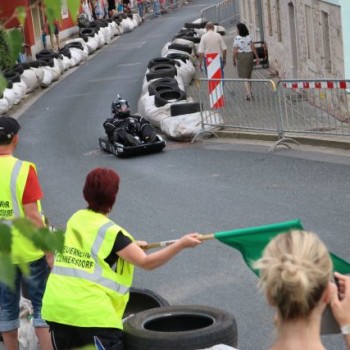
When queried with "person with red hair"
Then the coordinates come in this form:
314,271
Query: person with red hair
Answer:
88,288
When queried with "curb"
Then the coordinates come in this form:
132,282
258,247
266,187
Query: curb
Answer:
300,139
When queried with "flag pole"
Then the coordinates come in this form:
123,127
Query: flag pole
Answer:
204,237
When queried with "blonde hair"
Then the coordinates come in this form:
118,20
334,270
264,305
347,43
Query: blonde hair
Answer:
294,271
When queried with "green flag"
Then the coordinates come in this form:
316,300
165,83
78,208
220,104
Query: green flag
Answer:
251,242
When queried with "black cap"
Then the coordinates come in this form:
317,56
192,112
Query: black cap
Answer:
9,127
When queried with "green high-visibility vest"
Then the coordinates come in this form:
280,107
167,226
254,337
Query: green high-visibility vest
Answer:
82,289
13,179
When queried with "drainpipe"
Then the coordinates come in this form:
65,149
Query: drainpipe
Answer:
261,22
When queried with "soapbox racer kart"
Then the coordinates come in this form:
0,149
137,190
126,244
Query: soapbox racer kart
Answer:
123,151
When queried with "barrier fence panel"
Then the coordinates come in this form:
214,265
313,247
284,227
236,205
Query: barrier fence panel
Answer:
225,11
260,113
315,106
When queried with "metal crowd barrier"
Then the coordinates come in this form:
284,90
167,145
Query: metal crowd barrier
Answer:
222,12
289,107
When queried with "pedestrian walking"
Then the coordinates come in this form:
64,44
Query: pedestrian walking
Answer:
54,32
243,56
20,195
140,8
89,285
212,42
156,8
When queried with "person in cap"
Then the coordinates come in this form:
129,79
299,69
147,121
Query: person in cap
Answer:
128,129
20,194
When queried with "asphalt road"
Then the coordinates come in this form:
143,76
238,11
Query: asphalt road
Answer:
205,187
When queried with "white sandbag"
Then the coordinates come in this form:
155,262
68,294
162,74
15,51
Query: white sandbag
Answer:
29,78
10,96
125,25
120,29
164,50
39,73
149,111
132,24
26,334
58,64
136,17
186,126
107,34
4,105
80,55
199,20
186,71
100,38
200,31
67,63
47,77
113,27
92,44
220,29
220,347
19,90
55,72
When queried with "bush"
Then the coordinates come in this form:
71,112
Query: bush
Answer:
5,55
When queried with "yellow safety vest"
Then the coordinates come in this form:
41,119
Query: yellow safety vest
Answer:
13,178
82,289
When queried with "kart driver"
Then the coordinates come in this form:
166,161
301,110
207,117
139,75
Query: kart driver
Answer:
130,130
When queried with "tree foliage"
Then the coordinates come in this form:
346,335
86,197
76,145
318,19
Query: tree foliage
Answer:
43,238
11,40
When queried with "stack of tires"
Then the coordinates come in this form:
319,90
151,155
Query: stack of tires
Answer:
163,100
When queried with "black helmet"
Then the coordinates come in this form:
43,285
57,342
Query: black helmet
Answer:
120,107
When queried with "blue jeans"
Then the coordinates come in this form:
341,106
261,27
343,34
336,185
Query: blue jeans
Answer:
156,8
9,299
140,9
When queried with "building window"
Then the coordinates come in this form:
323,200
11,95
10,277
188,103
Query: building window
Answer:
326,41
310,33
269,19
278,20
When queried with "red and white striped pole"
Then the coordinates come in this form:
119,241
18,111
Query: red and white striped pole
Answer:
216,91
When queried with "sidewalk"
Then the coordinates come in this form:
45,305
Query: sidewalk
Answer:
257,121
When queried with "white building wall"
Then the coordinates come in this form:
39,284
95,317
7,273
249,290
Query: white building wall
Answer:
313,42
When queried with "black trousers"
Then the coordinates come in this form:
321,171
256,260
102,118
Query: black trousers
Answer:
65,337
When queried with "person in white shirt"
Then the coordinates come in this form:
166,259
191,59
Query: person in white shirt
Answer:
212,42
243,56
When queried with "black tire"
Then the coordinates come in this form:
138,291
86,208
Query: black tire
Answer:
13,76
9,84
87,32
160,60
184,108
178,56
49,62
75,44
18,68
180,47
194,39
180,327
162,70
170,82
187,32
196,25
44,54
34,64
66,52
143,299
26,65
155,89
166,96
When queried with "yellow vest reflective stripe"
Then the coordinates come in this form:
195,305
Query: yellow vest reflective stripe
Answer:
96,276
82,289
13,179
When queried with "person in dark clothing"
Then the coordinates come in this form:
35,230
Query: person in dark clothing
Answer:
130,130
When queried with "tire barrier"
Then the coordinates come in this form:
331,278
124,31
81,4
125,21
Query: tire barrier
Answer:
180,327
180,47
178,56
200,25
184,108
160,60
156,89
143,299
166,96
162,70
50,65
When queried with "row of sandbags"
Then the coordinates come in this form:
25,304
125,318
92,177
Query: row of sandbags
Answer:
163,101
49,66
